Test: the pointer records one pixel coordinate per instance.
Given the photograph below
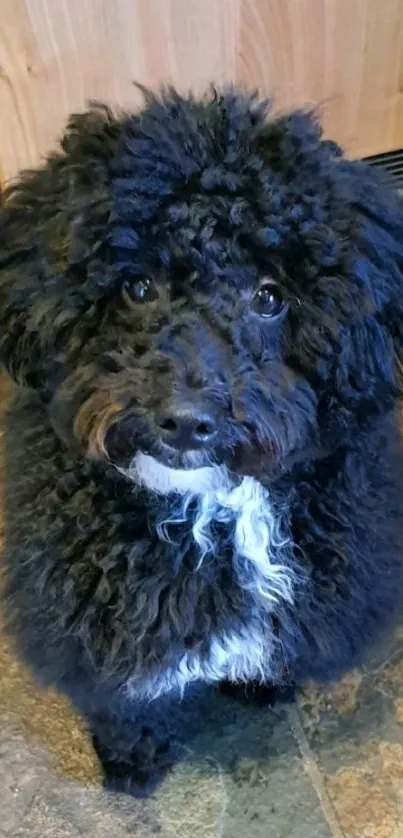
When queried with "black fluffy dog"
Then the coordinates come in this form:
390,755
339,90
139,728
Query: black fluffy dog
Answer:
204,481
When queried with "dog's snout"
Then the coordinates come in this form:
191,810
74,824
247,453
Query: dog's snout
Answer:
187,427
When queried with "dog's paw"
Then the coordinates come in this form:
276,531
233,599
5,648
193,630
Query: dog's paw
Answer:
259,695
139,771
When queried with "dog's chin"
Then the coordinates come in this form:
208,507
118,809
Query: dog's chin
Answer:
156,476
164,471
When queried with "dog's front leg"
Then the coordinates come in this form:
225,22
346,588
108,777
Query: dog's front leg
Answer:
134,756
137,740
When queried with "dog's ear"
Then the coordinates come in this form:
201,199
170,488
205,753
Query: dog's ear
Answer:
50,227
378,268
358,324
348,240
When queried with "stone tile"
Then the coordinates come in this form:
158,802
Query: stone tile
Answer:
44,720
251,783
270,795
66,810
21,774
355,732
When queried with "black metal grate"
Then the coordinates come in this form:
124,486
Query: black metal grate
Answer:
391,163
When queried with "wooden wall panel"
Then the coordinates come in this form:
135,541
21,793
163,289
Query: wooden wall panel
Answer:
344,55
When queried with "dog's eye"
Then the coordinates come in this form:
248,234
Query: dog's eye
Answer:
139,291
268,301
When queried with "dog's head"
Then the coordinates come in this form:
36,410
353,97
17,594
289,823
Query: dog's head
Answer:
200,284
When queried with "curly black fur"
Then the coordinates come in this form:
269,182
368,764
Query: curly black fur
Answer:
203,199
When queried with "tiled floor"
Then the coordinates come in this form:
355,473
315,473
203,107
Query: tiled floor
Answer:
330,766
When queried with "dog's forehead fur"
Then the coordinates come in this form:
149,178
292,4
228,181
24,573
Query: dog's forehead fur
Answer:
217,188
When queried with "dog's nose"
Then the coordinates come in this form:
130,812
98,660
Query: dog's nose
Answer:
187,427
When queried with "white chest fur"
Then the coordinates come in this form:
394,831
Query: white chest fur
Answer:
260,551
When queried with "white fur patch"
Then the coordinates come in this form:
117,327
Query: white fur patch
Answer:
260,549
161,479
235,657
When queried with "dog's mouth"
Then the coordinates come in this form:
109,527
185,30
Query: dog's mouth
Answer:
156,476
185,460
125,441
163,468
244,461
191,472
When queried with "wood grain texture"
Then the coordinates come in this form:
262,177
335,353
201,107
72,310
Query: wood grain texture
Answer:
344,55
